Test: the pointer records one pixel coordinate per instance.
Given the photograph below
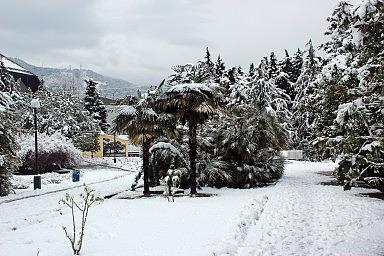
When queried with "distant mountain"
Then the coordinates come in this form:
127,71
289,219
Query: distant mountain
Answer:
73,80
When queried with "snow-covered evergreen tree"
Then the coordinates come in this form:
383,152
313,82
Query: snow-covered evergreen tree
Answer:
60,112
94,105
208,64
219,70
297,64
273,68
352,117
287,66
262,70
8,146
305,104
252,70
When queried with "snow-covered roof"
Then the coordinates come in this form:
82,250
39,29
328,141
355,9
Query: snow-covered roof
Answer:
28,78
12,66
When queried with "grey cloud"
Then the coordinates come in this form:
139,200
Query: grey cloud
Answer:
140,40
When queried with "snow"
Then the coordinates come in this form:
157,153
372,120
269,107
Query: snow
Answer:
297,216
35,103
347,108
370,146
164,145
11,65
128,110
180,88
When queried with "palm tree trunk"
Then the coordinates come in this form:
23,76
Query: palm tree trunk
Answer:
146,147
192,152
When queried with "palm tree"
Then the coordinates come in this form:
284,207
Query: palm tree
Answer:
143,125
193,103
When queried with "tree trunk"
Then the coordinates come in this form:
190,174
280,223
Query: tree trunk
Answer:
146,147
192,153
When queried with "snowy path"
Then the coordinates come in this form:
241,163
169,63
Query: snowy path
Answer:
297,216
306,218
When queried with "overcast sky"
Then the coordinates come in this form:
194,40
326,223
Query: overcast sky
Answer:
140,40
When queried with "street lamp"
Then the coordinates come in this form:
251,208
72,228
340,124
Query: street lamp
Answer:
114,147
35,104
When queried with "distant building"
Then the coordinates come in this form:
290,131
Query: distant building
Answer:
118,145
26,78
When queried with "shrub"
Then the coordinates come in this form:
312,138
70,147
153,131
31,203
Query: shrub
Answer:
164,156
246,144
54,153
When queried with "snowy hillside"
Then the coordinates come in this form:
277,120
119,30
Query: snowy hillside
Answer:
73,80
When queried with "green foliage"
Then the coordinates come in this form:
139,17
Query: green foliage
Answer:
246,146
94,105
164,156
351,122
9,162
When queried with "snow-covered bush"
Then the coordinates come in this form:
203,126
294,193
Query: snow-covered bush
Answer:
246,154
54,152
63,113
171,182
20,183
164,156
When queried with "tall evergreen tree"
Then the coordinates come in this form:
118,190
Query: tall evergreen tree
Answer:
273,69
232,75
252,70
305,104
219,69
262,70
287,66
208,64
8,159
297,64
352,116
94,105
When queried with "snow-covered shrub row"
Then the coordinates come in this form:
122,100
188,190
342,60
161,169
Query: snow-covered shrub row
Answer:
24,182
54,152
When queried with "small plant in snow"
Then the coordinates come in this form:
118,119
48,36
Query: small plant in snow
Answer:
88,199
171,182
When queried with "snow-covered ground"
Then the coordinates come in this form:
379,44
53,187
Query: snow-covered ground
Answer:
297,216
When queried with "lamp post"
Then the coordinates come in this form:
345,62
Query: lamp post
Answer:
114,147
35,104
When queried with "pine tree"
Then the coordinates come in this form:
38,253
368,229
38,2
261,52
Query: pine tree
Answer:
232,75
94,105
209,66
252,70
9,162
262,70
219,69
273,69
306,104
287,66
351,121
297,64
